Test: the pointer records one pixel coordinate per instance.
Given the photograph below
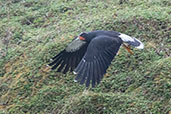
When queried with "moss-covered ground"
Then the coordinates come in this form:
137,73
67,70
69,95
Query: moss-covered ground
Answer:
33,31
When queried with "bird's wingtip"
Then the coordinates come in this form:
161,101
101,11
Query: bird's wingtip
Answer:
74,72
141,46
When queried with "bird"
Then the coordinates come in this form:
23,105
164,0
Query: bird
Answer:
90,54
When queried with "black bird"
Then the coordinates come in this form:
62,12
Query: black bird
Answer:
90,54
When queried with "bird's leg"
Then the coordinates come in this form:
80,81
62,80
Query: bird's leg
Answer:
128,49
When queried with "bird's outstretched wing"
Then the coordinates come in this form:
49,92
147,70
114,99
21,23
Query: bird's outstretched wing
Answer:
100,52
131,41
69,58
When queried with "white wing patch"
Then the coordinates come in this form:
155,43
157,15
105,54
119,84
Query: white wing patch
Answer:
131,41
126,38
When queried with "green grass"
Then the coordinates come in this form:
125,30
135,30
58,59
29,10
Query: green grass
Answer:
32,32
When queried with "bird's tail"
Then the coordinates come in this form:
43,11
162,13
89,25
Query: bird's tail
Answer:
131,41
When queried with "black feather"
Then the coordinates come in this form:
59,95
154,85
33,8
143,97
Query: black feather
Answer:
70,60
103,63
78,59
79,66
103,67
99,71
89,76
110,51
86,73
61,53
108,56
52,63
107,62
57,63
83,74
94,75
66,66
73,62
81,71
62,66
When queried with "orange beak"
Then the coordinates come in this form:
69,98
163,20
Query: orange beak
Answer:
81,38
128,49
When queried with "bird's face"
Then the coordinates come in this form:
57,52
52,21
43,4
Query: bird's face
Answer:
85,36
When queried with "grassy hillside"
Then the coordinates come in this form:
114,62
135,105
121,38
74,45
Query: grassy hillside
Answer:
33,31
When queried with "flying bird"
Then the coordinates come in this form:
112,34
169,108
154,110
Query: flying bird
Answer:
90,54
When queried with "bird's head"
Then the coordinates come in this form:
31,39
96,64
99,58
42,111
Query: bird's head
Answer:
85,36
